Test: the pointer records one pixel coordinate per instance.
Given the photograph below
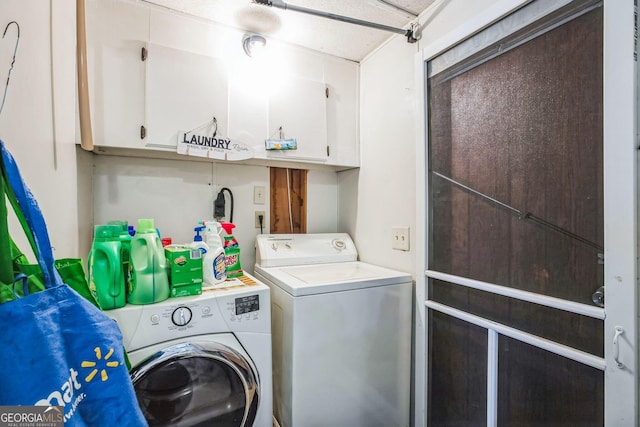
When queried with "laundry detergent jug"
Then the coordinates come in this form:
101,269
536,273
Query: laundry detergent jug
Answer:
125,251
149,280
106,278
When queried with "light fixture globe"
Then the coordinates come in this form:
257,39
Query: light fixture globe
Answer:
253,44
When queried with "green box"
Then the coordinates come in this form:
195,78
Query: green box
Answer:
185,270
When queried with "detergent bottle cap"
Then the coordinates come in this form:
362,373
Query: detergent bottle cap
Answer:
198,237
106,232
122,225
146,226
228,227
132,231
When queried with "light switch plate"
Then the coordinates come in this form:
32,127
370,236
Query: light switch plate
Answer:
258,195
400,238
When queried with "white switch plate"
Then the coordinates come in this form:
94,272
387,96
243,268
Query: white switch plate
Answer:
400,238
258,195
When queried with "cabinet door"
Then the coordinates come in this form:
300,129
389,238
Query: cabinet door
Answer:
115,36
248,113
341,77
184,92
300,108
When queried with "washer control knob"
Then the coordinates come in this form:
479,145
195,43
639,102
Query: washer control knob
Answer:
181,316
155,319
339,244
274,246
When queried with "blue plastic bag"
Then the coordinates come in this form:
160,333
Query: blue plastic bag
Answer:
58,349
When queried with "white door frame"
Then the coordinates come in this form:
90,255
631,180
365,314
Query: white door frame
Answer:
620,211
620,205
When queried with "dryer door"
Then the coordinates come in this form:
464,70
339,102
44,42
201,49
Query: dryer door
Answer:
196,384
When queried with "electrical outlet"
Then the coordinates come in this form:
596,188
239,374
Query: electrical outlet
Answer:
259,195
400,238
264,219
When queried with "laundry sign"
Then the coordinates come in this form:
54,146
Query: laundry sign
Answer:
212,147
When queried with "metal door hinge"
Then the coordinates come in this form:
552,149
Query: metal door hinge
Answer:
143,54
143,132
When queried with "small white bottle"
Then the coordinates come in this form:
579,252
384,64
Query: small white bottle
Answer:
197,241
214,270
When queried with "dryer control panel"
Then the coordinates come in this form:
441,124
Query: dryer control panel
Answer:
247,304
245,309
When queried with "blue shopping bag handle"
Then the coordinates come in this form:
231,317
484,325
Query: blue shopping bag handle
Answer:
35,220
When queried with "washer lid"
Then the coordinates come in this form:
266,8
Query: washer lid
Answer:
334,277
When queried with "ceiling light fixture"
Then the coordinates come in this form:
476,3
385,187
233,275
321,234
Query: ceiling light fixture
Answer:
253,44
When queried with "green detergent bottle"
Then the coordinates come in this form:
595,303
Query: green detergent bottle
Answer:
106,280
125,251
150,283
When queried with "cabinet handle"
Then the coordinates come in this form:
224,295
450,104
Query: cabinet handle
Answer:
327,151
143,132
143,54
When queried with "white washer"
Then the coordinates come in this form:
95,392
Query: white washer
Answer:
341,333
202,360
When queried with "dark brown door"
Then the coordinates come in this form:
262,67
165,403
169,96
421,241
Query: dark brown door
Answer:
516,203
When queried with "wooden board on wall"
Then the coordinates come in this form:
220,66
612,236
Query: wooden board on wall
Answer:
288,200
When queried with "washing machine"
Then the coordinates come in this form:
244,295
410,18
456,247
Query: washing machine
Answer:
202,360
341,333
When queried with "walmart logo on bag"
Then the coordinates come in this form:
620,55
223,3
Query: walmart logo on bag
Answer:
67,390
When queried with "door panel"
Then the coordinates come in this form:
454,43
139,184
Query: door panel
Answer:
559,326
536,387
516,200
458,386
524,129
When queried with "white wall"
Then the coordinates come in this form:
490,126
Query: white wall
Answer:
382,192
38,124
177,194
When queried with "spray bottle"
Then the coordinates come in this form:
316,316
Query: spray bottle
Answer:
231,251
213,266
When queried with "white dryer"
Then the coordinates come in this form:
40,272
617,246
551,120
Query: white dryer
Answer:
202,360
341,333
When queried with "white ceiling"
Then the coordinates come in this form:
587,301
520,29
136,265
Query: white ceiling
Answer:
325,35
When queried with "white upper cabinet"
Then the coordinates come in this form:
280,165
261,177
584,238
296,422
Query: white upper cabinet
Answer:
196,70
184,92
116,34
298,110
341,79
